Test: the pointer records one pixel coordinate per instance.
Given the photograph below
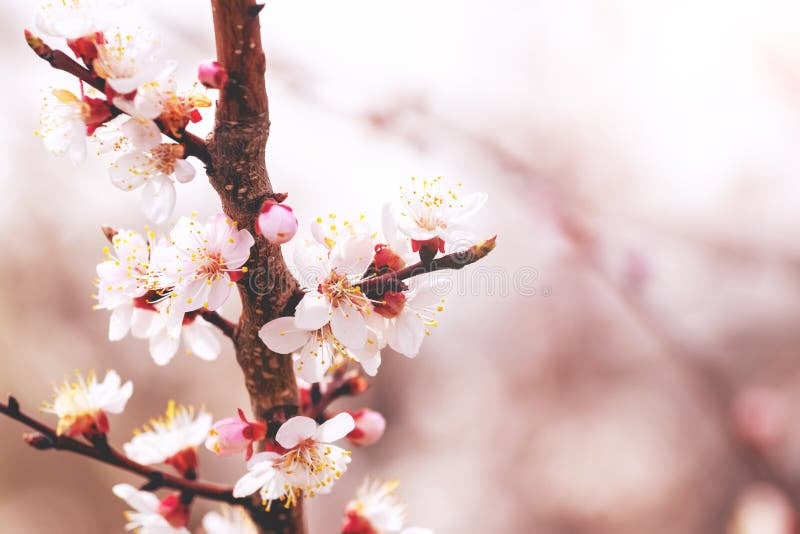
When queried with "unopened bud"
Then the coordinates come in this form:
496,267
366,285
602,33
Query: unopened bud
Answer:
234,435
212,75
369,427
38,441
276,222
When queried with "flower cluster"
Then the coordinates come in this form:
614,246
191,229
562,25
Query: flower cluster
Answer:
137,82
351,309
157,289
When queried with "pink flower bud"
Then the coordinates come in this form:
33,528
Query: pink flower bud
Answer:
234,435
174,511
276,222
212,75
369,427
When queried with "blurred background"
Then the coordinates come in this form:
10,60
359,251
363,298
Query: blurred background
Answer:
626,361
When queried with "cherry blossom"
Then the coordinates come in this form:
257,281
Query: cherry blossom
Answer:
164,333
231,520
201,262
234,435
377,510
151,515
305,465
67,120
171,439
82,405
432,213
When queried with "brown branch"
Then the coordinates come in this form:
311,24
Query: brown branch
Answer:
59,60
46,438
226,327
377,285
238,173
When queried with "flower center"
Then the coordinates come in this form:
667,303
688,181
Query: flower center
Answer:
338,288
213,267
165,155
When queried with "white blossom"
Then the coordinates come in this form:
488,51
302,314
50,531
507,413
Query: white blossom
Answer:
72,19
146,517
231,520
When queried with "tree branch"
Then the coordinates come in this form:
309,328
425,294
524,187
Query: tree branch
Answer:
238,173
59,60
226,327
46,438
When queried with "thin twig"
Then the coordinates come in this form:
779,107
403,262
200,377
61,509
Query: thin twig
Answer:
226,327
48,439
59,60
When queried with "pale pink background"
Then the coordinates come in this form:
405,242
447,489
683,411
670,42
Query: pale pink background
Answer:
641,158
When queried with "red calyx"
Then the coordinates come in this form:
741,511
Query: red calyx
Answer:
97,112
387,259
86,47
184,462
174,511
391,304
355,524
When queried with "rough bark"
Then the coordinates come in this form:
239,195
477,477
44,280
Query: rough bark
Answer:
238,173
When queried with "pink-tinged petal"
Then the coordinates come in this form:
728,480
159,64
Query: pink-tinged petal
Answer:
130,171
141,501
296,430
282,336
469,205
335,428
145,323
158,199
200,340
193,296
184,171
143,134
252,482
313,360
237,253
120,322
349,327
406,334
313,311
163,347
352,254
218,293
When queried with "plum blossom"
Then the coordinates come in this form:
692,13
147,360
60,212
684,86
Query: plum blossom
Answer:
234,435
151,515
306,464
121,280
171,439
201,262
432,213
72,19
81,406
377,510
129,60
409,315
332,296
66,121
165,333
317,351
154,167
231,520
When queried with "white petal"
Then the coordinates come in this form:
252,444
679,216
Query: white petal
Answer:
335,428
312,311
130,171
141,501
252,482
295,430
163,347
120,322
145,323
158,199
406,334
184,171
313,360
282,336
218,293
352,255
200,339
348,326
